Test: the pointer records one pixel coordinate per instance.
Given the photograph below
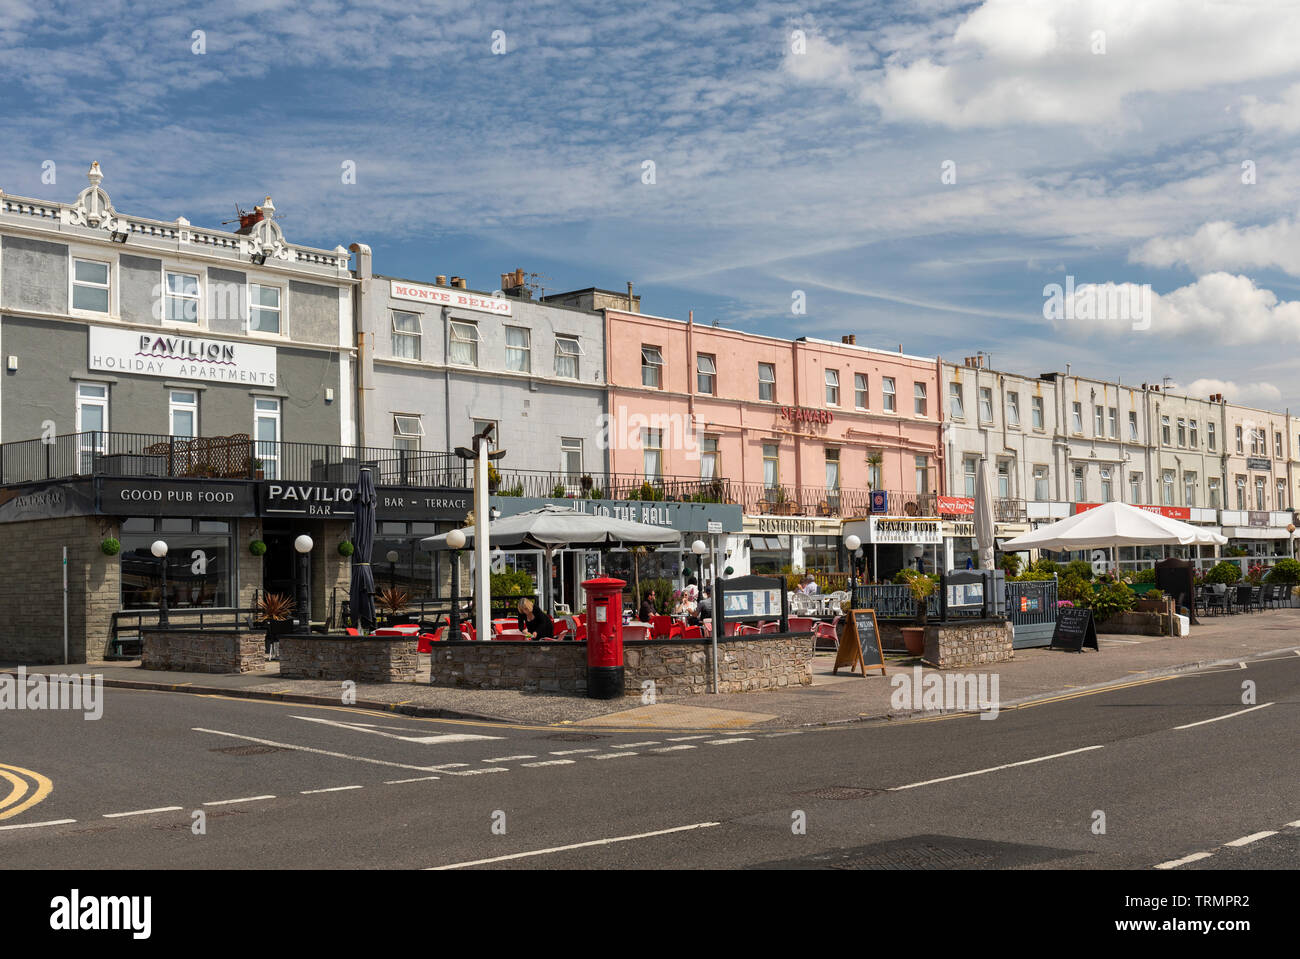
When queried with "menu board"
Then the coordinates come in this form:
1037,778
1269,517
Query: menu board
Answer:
1074,629
860,644
751,603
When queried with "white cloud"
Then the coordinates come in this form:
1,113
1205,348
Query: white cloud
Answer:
1021,61
1262,395
1225,246
1219,309
1282,115
821,62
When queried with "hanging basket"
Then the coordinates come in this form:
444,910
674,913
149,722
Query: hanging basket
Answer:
257,547
346,548
110,547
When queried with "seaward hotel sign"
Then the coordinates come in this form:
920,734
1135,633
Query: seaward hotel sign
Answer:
179,354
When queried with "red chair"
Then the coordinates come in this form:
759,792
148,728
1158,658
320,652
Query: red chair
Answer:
693,632
665,627
826,631
352,631
769,627
801,624
497,627
467,631
425,645
561,633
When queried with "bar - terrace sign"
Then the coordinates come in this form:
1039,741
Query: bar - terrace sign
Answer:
449,296
180,355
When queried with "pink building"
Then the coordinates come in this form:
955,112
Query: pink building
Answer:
787,427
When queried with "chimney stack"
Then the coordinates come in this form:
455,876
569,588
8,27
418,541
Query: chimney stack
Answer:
440,279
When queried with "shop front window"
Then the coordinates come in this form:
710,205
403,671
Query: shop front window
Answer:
198,562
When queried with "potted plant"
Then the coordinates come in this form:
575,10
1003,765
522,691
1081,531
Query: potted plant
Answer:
276,610
392,601
587,484
259,469
559,491
494,478
921,587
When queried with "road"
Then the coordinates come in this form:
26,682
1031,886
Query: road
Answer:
293,786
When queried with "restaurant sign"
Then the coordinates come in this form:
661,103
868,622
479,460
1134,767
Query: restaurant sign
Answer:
1183,513
172,497
1259,463
20,504
449,296
178,354
956,505
901,529
778,525
407,503
685,517
310,500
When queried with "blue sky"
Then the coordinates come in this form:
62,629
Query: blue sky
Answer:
796,147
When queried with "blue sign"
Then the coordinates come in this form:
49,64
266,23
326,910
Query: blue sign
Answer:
879,501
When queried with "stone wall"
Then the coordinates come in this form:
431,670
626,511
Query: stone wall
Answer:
31,589
954,645
373,659
209,651
679,667
538,667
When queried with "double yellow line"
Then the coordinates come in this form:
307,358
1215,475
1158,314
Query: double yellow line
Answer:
19,800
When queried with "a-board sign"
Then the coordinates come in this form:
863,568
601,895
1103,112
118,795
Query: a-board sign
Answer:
1074,629
860,644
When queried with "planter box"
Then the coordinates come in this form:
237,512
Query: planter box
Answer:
370,659
1136,623
953,645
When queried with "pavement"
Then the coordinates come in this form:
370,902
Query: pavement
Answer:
1031,676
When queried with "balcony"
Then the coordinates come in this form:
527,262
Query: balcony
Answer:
132,455
616,486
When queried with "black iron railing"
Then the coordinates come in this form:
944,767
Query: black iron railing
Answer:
220,457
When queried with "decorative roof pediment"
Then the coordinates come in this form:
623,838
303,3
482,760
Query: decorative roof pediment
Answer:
266,236
93,207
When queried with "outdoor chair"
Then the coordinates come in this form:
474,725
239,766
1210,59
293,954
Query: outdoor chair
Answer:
828,632
1257,598
693,632
665,627
1211,599
1244,597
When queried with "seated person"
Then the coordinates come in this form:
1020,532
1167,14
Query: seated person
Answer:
705,608
534,621
647,609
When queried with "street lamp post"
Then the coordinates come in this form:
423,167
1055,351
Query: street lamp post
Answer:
456,540
303,545
159,549
699,548
392,569
851,543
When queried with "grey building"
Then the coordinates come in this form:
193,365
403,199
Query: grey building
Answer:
439,361
111,323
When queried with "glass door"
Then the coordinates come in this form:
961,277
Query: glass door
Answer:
266,431
92,424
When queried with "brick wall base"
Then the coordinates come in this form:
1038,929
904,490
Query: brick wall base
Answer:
954,645
205,652
373,659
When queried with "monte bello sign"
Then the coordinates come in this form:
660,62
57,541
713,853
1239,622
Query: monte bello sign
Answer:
449,296
180,355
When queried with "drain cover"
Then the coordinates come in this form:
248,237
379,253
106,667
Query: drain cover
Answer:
250,750
927,852
574,737
841,792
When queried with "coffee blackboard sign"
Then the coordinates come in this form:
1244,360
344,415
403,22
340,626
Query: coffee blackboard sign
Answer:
1074,629
860,644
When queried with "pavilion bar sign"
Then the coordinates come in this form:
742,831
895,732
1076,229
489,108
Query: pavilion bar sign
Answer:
314,500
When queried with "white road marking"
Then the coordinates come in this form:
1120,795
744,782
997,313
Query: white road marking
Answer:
670,749
449,766
653,742
37,825
793,732
1175,863
363,728
682,739
724,742
140,812
332,789
993,769
418,779
1126,642
507,759
1228,716
1294,825
577,845
1253,837
318,752
478,772
611,755
228,802
553,762
571,752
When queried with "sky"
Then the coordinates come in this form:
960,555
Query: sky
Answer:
921,174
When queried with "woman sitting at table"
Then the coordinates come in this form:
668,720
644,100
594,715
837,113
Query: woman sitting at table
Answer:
534,621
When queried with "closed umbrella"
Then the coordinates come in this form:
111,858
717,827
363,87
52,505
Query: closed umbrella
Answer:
984,527
362,592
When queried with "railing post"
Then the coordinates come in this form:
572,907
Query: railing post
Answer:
252,457
171,456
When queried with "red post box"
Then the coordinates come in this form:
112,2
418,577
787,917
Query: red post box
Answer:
604,637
